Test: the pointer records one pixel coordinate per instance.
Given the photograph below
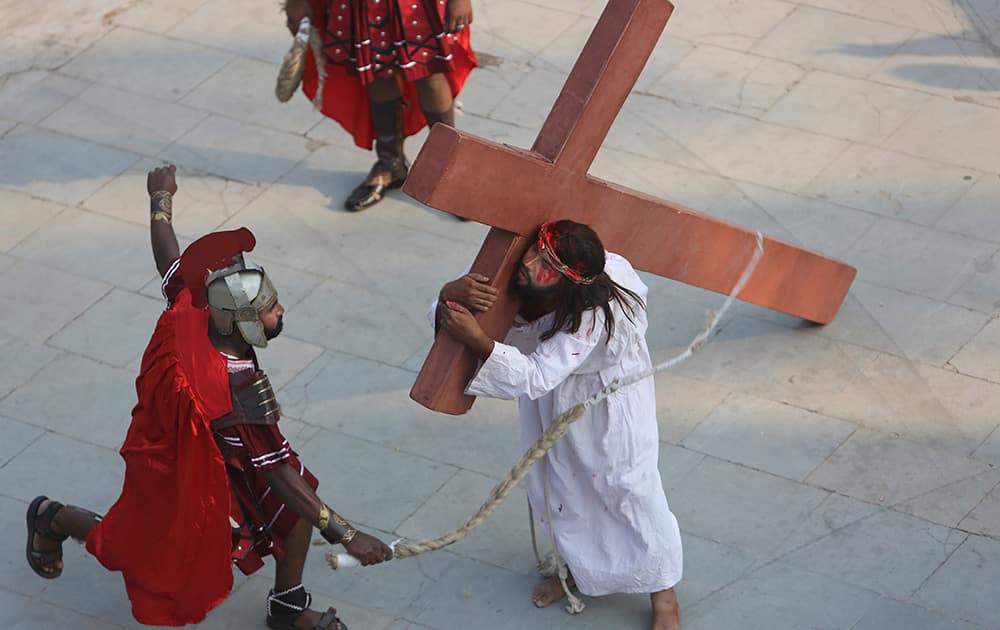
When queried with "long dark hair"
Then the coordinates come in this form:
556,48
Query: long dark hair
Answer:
579,247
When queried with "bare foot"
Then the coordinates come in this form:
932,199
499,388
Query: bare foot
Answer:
665,621
550,590
666,611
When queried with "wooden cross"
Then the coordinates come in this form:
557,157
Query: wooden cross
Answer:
515,191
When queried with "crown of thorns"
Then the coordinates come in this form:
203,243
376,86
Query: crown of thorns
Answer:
547,237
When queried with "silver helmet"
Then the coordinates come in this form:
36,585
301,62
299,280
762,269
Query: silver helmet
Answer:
236,295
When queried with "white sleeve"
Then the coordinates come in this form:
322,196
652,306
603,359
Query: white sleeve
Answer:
431,313
508,373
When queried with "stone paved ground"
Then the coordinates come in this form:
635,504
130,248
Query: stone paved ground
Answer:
829,478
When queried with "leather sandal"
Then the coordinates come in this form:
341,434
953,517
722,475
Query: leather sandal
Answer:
391,168
284,609
41,524
382,178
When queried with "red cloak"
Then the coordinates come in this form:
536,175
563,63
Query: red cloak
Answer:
345,93
169,531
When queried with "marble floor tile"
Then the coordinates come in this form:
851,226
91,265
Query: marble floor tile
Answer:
21,215
950,131
93,246
123,120
122,58
36,319
728,79
57,167
886,470
256,30
963,586
979,356
852,109
234,91
832,41
79,398
768,436
236,150
974,214
896,185
917,259
890,553
385,487
32,95
737,25
769,507
782,596
115,330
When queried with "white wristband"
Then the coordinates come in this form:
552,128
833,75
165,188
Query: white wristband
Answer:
339,561
305,25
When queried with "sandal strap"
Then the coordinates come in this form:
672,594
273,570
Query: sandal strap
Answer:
43,522
94,515
290,604
46,557
328,617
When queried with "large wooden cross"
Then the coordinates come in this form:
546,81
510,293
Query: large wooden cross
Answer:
514,191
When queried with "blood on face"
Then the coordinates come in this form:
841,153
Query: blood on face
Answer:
541,274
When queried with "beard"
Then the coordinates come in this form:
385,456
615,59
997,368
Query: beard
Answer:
526,290
271,333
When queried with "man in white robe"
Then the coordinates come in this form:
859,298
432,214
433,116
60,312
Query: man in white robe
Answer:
610,516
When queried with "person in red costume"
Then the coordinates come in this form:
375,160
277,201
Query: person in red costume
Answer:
390,67
209,480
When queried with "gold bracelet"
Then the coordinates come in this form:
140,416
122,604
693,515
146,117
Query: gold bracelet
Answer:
324,517
160,215
163,200
348,535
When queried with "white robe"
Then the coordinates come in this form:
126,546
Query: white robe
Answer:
613,527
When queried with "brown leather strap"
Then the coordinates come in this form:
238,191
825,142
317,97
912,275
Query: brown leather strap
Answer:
43,522
328,617
260,406
254,402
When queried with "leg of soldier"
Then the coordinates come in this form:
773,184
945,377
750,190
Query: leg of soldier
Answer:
49,524
288,585
436,101
391,166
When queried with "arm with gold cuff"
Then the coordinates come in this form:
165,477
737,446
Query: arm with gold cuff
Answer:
300,498
334,528
161,184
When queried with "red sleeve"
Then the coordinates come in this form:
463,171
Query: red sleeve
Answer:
173,282
265,444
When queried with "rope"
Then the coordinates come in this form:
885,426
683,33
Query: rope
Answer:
575,605
557,429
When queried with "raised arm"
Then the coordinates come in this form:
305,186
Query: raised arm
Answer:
161,185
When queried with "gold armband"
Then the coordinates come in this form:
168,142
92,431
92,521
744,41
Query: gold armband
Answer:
162,206
163,200
348,535
324,517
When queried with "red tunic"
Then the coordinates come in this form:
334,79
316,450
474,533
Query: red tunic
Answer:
368,39
170,531
261,519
